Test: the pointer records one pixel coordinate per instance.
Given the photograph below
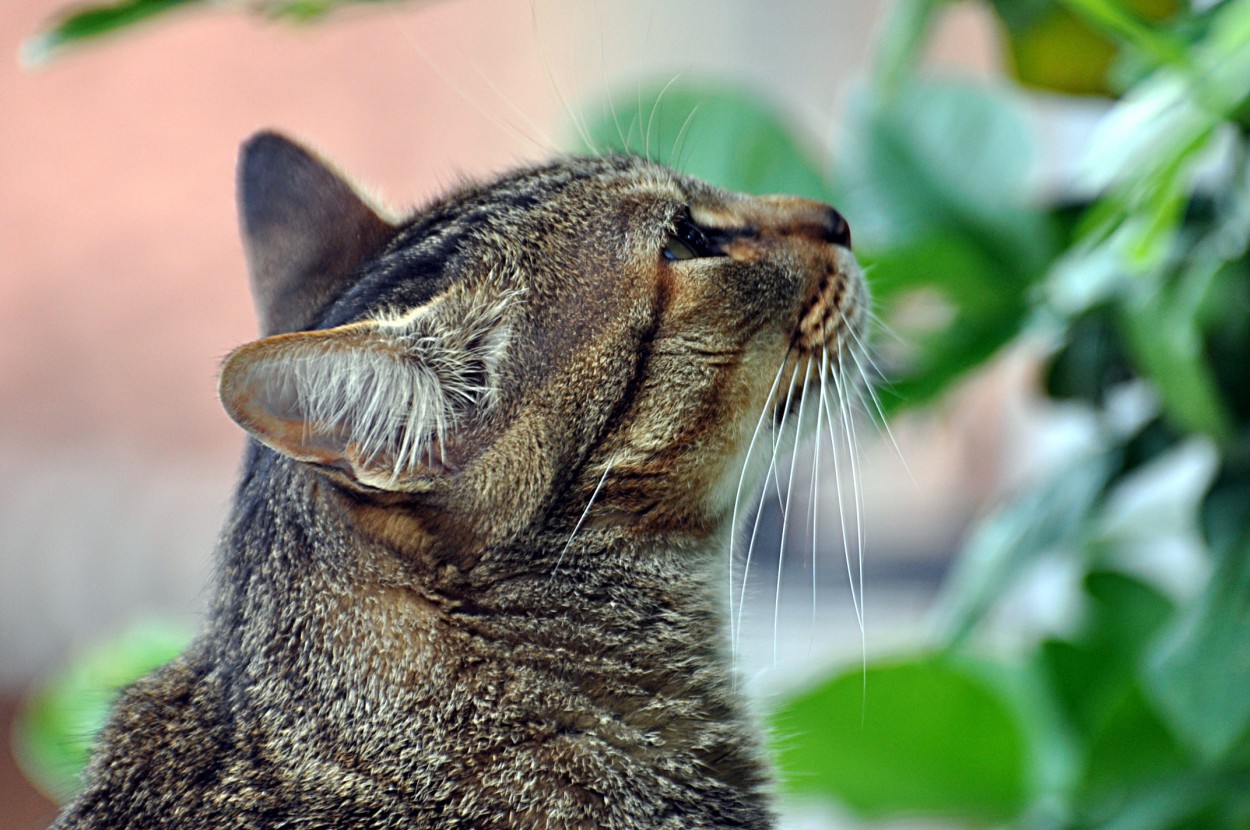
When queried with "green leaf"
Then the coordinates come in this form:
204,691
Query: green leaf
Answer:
934,180
1069,45
58,721
1130,756
1090,363
1056,515
1185,802
1146,152
1199,675
944,296
716,133
1090,673
941,155
1050,48
1163,329
926,735
85,23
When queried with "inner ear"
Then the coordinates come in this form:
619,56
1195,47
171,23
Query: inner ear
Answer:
305,231
392,403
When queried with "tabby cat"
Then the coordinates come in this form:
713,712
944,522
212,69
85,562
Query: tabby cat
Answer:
471,575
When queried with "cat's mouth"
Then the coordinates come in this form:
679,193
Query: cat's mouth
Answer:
828,341
832,316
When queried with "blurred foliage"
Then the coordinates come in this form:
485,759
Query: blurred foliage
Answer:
1065,47
55,727
1135,715
87,23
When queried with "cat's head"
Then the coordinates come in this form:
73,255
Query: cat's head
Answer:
593,326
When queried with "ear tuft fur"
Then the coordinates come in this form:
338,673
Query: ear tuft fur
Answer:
387,400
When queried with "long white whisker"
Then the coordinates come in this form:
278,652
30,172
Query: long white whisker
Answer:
785,515
581,519
677,163
746,570
777,436
733,527
578,124
815,503
777,424
496,119
603,78
655,106
846,544
867,387
856,486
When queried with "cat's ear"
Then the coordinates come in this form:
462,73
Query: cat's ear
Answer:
392,404
305,231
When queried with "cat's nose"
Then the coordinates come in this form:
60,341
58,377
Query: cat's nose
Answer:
837,230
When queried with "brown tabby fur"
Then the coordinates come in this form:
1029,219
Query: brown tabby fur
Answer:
406,629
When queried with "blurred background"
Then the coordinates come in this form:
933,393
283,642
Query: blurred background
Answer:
1033,293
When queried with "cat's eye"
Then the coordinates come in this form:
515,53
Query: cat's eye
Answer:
688,241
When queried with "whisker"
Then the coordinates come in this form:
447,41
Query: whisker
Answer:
677,162
858,488
578,124
495,118
846,544
777,424
857,492
578,526
733,532
655,106
814,494
603,79
882,421
785,515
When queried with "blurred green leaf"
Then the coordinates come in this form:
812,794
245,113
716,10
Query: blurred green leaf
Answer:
923,735
58,721
1199,675
1227,340
716,133
901,44
1090,672
934,179
1124,20
1163,328
1091,362
85,23
1181,802
1130,755
1057,515
82,24
1147,151
1053,47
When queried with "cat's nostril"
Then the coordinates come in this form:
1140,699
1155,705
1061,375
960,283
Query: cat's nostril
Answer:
837,231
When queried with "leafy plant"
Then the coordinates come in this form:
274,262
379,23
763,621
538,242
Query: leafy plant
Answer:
1136,716
88,23
53,733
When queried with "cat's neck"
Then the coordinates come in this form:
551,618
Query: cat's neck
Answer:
614,640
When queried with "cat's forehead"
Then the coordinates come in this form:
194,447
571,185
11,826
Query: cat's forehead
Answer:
524,192
512,217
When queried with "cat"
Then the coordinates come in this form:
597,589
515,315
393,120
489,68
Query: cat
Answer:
470,579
